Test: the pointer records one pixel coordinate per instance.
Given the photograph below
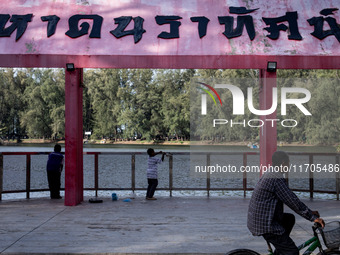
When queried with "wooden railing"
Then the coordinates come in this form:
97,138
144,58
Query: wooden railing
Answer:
170,188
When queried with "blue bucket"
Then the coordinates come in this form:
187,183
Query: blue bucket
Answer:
114,197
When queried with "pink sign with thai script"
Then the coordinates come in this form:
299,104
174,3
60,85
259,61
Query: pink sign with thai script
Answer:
171,27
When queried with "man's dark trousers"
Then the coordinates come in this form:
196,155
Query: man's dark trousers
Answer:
283,244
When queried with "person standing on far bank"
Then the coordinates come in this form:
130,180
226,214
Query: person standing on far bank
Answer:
152,172
54,168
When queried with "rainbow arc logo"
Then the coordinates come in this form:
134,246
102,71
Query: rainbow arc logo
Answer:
209,93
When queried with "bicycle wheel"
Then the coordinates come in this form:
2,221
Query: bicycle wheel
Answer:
330,252
244,252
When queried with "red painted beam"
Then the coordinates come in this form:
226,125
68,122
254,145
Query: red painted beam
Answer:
73,137
268,132
171,62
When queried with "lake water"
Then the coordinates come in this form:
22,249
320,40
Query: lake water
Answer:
115,170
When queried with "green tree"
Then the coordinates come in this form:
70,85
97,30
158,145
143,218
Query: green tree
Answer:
324,125
12,86
44,115
146,104
175,111
102,86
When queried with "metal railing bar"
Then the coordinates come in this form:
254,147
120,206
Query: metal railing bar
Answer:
28,175
133,187
179,153
133,172
208,175
1,175
337,178
311,177
245,160
96,174
170,174
167,189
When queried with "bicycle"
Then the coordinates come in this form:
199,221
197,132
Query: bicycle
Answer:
330,235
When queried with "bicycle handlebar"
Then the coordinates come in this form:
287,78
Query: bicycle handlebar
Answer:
315,227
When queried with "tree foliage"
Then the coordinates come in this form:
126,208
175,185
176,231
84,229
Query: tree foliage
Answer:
155,104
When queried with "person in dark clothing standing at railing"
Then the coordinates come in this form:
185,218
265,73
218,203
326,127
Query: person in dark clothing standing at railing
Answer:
54,168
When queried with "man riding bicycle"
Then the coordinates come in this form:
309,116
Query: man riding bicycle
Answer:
265,214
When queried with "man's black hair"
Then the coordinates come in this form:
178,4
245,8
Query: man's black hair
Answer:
279,158
57,148
150,151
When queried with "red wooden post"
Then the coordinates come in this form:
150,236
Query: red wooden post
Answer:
268,133
73,137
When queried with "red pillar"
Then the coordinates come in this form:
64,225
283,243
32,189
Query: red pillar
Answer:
73,137
268,133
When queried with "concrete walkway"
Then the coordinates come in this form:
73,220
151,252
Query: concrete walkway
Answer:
167,226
